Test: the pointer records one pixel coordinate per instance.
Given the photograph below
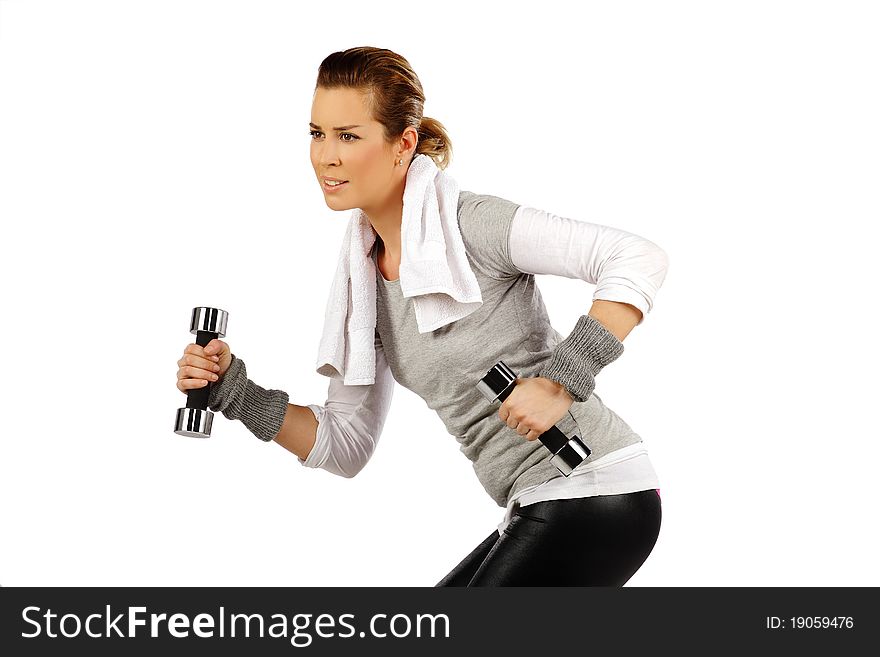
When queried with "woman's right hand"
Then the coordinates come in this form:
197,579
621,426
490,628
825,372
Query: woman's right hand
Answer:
202,364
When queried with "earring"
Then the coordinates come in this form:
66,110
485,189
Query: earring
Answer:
399,162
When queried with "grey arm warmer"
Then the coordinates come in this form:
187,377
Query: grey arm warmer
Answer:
579,358
238,398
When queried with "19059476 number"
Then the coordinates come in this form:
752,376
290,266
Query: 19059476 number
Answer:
809,622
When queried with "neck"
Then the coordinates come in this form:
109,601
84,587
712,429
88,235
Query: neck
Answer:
387,220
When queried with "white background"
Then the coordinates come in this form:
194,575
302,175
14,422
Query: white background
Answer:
154,157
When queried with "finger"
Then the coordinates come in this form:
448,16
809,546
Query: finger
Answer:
215,346
199,373
195,350
208,364
193,359
188,384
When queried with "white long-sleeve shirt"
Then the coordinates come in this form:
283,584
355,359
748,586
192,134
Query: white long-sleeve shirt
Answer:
623,266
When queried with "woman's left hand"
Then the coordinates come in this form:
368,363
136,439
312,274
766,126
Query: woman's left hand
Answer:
534,405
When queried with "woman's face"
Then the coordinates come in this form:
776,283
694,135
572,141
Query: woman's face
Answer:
349,145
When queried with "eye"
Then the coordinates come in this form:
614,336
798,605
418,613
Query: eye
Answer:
314,134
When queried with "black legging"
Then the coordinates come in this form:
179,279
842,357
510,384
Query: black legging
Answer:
587,541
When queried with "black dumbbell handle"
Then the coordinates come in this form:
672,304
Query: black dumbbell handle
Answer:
198,397
553,438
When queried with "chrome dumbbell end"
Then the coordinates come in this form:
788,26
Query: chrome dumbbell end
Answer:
572,454
497,382
194,422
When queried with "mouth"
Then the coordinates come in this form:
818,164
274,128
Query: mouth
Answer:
333,185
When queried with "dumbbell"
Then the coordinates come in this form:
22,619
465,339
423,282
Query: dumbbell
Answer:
195,419
568,453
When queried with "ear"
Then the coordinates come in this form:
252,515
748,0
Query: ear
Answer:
409,139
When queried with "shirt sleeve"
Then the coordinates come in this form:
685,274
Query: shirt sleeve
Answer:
484,221
350,421
623,266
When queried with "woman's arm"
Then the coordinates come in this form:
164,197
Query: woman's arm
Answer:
626,268
618,317
508,240
341,436
298,431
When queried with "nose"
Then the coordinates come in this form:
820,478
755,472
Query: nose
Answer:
328,153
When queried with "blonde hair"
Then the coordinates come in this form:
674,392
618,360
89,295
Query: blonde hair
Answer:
394,96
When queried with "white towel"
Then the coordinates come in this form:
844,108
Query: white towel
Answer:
434,271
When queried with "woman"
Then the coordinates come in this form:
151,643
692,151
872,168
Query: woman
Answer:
593,527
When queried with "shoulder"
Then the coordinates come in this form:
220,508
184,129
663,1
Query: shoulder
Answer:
484,221
484,208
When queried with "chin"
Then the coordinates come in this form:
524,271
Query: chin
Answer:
338,204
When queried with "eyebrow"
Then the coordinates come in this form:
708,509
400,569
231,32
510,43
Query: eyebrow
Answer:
344,127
